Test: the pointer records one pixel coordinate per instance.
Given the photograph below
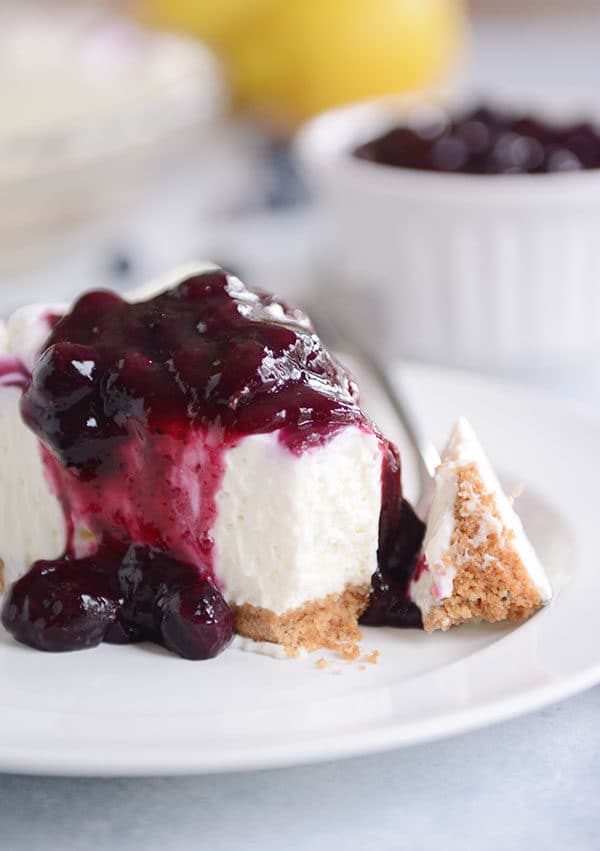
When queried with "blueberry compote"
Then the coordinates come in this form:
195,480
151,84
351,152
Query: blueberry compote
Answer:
390,603
485,141
135,405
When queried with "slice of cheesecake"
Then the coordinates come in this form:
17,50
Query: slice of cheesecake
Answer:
476,561
193,440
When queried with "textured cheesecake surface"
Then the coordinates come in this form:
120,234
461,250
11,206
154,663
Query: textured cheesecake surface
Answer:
295,528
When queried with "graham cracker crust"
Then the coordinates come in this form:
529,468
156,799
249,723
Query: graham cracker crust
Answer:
329,622
491,582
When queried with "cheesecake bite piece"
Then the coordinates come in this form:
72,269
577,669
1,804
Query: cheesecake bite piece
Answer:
476,562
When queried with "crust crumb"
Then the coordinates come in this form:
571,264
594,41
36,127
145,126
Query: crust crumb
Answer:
517,491
322,663
349,651
491,582
331,622
372,658
362,667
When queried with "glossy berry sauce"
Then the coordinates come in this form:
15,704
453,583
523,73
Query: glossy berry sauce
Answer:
483,141
390,603
135,406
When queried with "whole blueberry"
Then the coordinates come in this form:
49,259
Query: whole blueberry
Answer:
52,608
196,622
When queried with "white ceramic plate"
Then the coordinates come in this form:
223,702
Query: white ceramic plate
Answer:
138,710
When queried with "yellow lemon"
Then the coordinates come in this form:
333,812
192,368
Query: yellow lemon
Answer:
297,57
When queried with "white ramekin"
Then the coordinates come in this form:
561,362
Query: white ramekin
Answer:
494,272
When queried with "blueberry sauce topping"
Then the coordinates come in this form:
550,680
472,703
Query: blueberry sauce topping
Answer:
71,604
135,406
485,141
50,608
209,353
390,603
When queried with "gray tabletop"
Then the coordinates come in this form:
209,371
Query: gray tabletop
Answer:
530,783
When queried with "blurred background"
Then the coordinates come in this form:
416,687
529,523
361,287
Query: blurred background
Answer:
137,135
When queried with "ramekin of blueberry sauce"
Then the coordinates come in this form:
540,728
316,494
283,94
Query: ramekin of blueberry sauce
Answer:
489,141
464,234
